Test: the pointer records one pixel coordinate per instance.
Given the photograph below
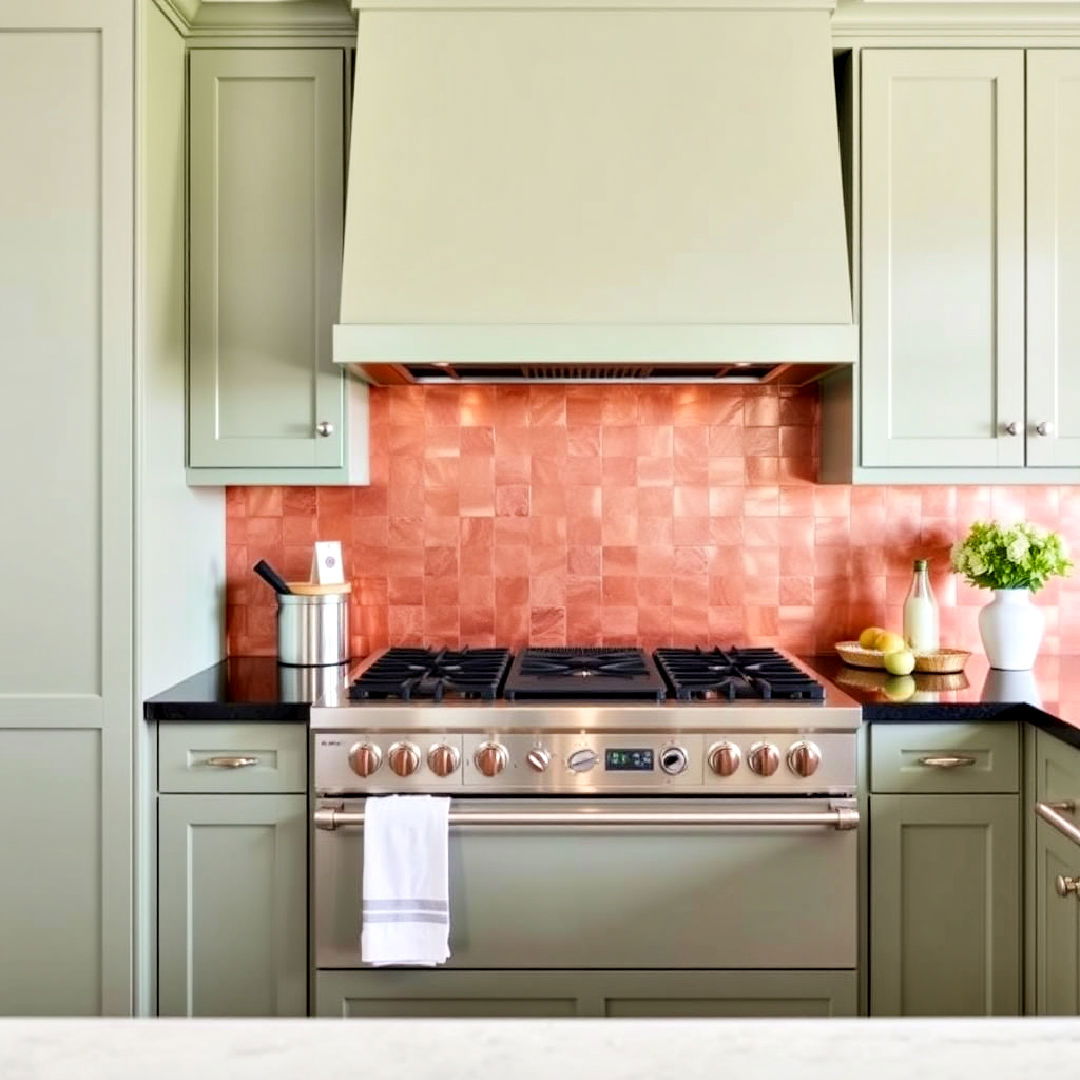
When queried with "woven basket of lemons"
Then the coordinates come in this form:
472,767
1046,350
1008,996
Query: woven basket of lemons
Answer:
883,650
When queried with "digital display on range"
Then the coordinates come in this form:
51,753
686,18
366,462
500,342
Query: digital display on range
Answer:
628,760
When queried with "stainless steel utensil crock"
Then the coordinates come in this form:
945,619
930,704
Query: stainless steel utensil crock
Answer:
313,630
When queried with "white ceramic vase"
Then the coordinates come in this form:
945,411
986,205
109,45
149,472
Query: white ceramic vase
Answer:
1012,628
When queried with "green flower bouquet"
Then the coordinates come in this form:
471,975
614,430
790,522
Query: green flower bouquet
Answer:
1022,556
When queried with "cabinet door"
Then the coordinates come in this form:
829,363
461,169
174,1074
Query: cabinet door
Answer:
1053,257
942,257
232,908
477,994
267,166
1057,925
945,905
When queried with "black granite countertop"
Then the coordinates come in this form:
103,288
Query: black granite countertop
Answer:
249,688
256,688
1047,696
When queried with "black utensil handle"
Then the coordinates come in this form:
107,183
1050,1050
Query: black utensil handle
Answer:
271,577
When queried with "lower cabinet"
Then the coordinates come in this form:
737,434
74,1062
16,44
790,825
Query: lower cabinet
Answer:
945,905
232,907
1057,925
398,993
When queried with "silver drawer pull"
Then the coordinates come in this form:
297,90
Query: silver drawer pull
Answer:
836,817
1064,885
947,761
231,762
1054,814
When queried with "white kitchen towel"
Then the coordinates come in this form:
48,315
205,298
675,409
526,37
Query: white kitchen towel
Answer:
406,906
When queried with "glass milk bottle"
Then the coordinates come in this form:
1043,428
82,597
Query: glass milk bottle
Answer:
921,612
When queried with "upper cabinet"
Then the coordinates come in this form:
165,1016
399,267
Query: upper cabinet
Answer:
1053,258
968,187
267,167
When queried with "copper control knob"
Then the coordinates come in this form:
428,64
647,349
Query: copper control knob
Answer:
443,759
803,758
764,758
724,758
364,758
490,758
403,758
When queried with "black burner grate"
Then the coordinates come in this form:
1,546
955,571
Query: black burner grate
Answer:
430,674
577,673
719,674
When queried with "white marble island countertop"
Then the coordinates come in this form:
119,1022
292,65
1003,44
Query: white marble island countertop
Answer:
43,1049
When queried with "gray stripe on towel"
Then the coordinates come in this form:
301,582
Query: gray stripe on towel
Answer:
406,905
406,916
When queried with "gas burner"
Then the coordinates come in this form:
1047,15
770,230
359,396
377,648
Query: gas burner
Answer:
584,673
711,675
411,674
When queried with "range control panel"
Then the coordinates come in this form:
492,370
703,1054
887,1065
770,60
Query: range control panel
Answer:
758,764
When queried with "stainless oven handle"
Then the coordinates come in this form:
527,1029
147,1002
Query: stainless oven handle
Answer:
1054,814
836,817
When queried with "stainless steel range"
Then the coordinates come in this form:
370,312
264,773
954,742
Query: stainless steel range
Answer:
613,811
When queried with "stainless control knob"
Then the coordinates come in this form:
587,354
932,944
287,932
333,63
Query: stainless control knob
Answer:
764,758
673,760
803,758
724,758
582,760
490,758
364,758
1012,428
443,759
1064,885
324,429
538,759
1044,428
403,758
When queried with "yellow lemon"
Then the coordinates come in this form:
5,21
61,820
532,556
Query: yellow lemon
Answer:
869,637
899,687
889,642
901,662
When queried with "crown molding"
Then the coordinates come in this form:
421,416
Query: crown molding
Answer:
195,18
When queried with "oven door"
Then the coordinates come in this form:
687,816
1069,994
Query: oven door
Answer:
690,883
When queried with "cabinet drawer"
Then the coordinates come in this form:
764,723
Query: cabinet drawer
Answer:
232,758
1057,769
912,758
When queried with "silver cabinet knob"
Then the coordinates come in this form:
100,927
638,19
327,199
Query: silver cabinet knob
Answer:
1044,428
583,760
403,758
1012,428
673,760
324,428
1064,885
443,759
364,758
538,759
724,758
764,758
490,758
803,758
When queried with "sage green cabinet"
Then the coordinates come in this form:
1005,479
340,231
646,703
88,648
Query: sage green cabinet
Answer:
232,905
944,905
267,163
627,994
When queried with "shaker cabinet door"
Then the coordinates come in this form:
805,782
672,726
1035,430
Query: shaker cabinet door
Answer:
1057,925
942,258
945,905
232,905
267,135
1053,257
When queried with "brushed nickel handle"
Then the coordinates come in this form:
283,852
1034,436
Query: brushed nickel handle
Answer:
1064,885
839,817
231,762
324,428
1044,428
1012,428
947,761
1053,814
